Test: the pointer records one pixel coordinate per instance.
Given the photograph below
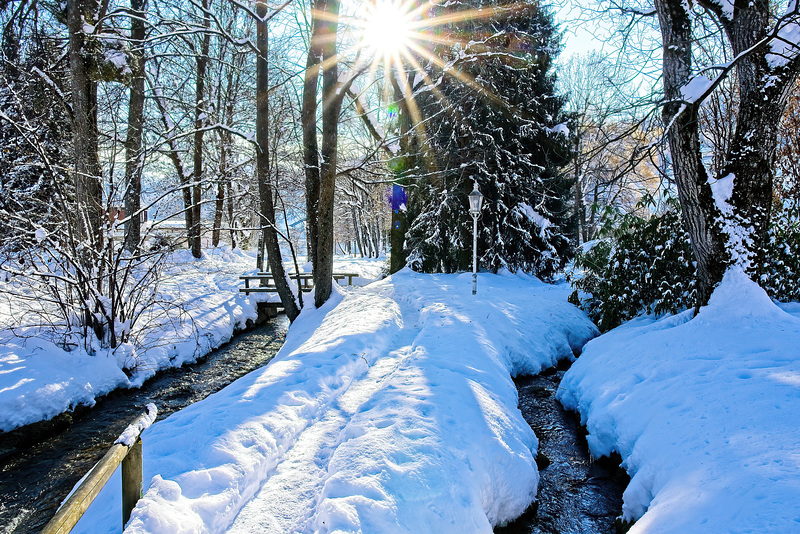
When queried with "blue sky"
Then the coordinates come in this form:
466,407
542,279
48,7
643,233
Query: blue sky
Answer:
577,38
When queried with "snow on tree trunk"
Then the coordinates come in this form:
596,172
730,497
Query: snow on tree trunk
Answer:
726,216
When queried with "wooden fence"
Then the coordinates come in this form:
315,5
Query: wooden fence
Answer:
126,451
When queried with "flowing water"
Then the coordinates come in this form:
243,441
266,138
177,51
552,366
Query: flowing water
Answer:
39,465
576,495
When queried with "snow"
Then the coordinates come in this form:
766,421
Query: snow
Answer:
722,190
702,410
725,5
786,45
132,431
39,379
693,90
559,129
390,409
534,216
119,59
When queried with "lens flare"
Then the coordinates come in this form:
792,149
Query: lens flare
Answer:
387,29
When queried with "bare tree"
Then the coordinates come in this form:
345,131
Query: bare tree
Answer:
727,215
88,187
266,189
321,178
134,155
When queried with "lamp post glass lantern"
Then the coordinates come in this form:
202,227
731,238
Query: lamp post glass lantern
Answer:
475,201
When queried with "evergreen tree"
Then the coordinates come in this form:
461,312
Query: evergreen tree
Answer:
492,116
35,139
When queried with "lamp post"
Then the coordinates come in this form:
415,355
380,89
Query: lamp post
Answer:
475,201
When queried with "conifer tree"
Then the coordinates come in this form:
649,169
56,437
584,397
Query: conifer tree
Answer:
498,122
35,137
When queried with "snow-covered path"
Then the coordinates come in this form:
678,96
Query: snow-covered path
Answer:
391,409
293,491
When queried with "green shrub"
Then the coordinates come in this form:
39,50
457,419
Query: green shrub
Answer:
645,266
780,273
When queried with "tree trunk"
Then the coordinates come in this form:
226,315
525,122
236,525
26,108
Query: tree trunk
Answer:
331,107
219,207
397,232
732,230
308,119
229,190
376,240
356,231
751,155
699,211
88,187
195,234
269,232
89,213
134,155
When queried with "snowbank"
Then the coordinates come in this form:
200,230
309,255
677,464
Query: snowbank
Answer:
39,380
703,411
391,409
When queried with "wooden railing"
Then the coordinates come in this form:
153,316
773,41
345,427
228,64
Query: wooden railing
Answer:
126,451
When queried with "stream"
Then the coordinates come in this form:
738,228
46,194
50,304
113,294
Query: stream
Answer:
576,495
40,465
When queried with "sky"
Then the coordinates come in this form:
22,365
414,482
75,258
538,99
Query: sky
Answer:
577,39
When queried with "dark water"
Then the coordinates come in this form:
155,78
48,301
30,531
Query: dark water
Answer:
40,465
576,495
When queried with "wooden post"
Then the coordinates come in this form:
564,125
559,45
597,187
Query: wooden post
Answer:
131,459
131,480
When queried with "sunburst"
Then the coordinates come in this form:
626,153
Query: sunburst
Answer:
402,36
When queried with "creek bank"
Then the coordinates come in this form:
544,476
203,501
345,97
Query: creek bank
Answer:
13,441
40,463
576,494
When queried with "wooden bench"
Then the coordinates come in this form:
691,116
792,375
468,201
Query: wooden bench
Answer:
306,281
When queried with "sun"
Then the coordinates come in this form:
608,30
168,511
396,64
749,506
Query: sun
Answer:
387,28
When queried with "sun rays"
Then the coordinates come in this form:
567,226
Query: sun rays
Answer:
396,42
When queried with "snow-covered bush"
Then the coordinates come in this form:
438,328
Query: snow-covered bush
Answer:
76,296
780,273
644,265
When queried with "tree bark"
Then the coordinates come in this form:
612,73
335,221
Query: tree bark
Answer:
88,187
269,232
700,215
229,190
751,155
331,107
356,231
733,230
397,232
219,207
308,119
134,155
195,234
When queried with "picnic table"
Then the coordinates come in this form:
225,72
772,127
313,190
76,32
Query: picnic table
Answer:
266,282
